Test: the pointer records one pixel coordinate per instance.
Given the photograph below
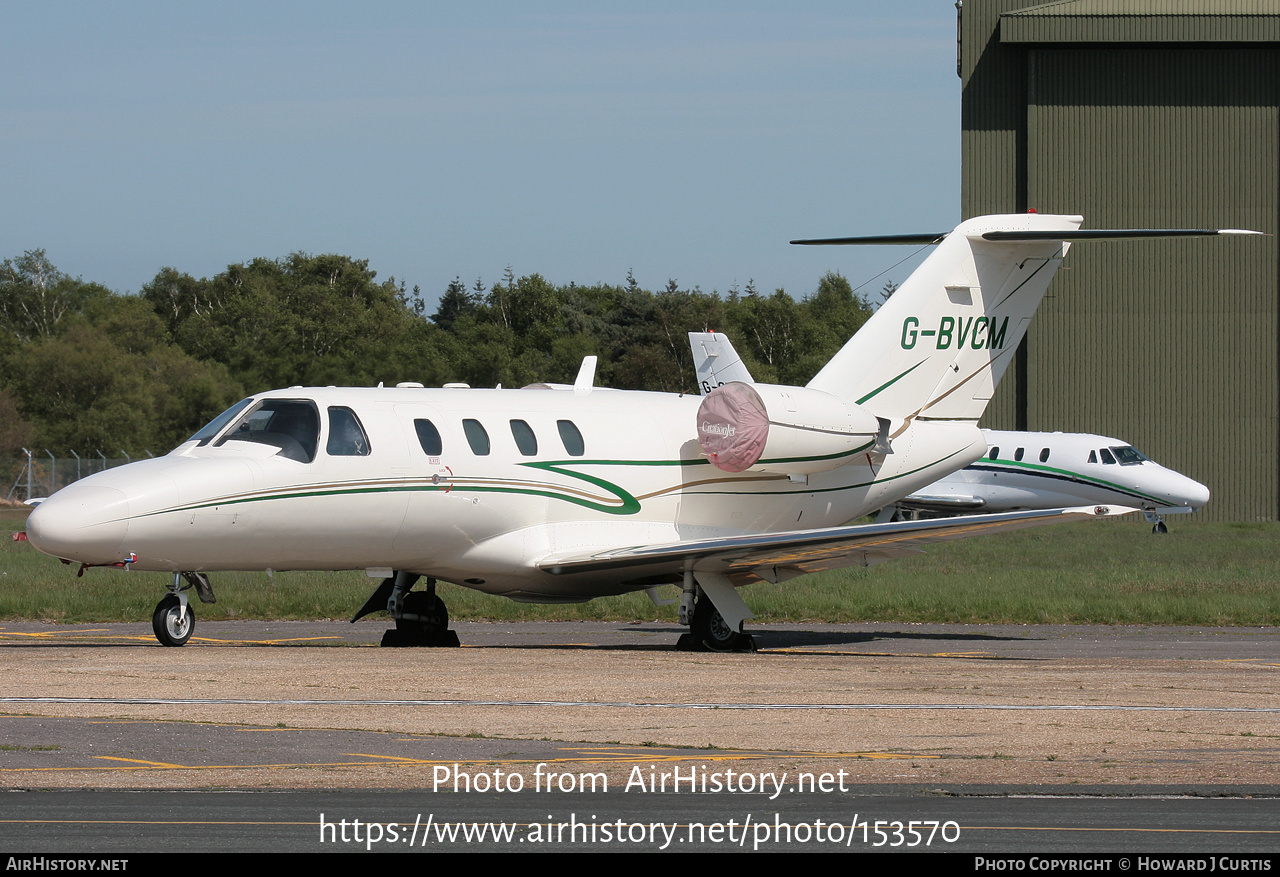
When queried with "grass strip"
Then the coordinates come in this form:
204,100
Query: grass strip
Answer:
1096,572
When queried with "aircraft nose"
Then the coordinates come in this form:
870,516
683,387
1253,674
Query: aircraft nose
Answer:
81,522
1195,494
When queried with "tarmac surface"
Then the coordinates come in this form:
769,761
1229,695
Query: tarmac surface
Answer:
308,737
319,705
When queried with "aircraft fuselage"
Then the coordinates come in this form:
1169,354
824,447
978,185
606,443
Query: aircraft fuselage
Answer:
500,479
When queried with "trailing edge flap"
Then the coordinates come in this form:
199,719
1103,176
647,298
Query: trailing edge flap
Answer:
746,559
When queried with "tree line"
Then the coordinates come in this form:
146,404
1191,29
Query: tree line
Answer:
84,368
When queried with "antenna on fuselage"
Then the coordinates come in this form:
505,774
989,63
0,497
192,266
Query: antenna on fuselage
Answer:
586,378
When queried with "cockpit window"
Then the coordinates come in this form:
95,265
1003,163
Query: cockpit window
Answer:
1107,459
477,437
292,425
346,436
1129,456
212,428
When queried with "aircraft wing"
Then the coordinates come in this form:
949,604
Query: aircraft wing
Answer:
776,557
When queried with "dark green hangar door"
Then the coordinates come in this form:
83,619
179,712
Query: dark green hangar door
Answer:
1142,113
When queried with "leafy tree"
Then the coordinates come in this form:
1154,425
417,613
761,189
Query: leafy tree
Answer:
16,432
35,296
299,320
85,392
769,335
177,297
455,303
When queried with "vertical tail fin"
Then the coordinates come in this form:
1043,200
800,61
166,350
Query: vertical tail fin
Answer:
939,346
716,362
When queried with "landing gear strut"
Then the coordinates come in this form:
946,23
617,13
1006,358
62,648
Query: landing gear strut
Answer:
1157,523
709,631
421,616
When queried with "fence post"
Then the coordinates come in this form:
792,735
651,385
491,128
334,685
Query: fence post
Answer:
28,453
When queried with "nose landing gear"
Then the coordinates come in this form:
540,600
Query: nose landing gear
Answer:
1157,522
174,620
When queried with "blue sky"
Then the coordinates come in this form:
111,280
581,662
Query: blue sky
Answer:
578,140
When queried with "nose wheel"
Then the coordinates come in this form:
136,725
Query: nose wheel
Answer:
173,621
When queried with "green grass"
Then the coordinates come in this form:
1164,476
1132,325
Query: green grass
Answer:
1100,572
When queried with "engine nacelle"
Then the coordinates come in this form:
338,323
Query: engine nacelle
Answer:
787,430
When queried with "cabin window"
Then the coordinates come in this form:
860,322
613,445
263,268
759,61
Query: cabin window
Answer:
292,425
1017,455
347,437
428,437
213,427
476,437
995,453
1129,456
1107,459
526,441
571,438
1044,455
1093,456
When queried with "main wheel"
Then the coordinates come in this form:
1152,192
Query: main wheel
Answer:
428,607
170,629
710,628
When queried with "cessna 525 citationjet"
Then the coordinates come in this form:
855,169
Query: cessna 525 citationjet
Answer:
1020,470
565,493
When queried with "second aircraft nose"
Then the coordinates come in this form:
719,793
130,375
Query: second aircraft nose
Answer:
1195,494
83,523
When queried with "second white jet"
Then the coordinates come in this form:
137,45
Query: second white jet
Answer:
1020,470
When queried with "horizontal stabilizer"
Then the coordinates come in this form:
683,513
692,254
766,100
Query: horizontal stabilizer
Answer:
877,239
1090,234
1111,234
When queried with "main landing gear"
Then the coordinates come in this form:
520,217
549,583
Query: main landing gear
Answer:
174,620
708,629
711,633
421,616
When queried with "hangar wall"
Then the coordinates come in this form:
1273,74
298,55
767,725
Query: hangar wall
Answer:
1141,113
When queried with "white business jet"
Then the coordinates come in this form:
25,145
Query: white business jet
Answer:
1028,470
1020,470
562,494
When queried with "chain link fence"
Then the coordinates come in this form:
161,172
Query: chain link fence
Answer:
40,473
